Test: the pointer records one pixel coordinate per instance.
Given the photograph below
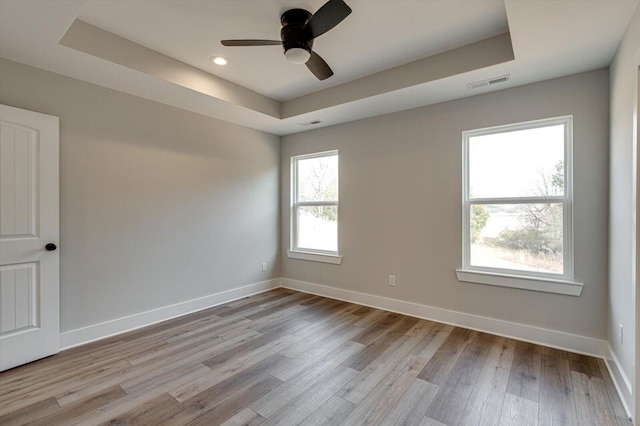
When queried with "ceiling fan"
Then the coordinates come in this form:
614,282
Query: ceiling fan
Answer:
299,29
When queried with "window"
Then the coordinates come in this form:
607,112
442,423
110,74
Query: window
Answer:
517,199
314,207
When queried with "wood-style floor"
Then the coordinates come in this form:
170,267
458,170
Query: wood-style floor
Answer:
291,358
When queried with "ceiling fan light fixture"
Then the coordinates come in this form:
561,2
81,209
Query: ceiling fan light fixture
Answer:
297,55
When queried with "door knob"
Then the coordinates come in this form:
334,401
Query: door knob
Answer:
50,247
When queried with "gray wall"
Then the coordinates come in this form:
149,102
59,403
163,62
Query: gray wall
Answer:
157,205
622,275
400,204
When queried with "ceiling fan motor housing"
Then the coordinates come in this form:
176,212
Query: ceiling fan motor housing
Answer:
292,33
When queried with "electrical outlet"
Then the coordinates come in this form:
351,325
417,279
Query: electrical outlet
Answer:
392,280
264,266
621,333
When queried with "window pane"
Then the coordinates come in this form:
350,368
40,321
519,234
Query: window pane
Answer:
318,228
521,163
517,236
318,179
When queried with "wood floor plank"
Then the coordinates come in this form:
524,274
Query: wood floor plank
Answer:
281,305
246,417
245,348
282,327
130,349
614,399
524,379
382,399
438,367
485,403
257,305
246,378
592,402
21,390
168,349
332,319
310,357
329,333
229,407
221,327
285,357
70,412
30,413
284,310
403,326
166,327
193,355
412,405
421,327
211,383
517,411
51,387
34,371
587,365
320,311
426,421
371,333
380,344
449,403
368,379
301,407
369,318
362,311
129,403
432,340
332,412
554,352
164,378
275,400
150,413
556,405
228,367
371,352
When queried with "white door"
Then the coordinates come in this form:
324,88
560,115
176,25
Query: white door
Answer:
29,260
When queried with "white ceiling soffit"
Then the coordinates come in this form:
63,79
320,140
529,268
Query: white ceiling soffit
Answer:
387,55
97,42
378,35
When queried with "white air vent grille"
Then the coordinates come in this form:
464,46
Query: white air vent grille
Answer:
309,123
489,82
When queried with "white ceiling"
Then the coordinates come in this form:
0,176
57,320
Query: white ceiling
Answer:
550,38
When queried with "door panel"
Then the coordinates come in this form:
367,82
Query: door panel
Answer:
19,294
18,148
29,219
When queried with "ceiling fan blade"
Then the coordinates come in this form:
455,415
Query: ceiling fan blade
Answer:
327,17
234,43
319,67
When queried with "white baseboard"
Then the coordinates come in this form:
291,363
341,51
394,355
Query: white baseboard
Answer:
620,380
556,339
105,329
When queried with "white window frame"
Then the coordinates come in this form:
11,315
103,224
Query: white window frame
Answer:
539,281
304,253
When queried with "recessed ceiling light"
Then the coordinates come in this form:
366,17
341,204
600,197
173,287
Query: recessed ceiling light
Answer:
219,60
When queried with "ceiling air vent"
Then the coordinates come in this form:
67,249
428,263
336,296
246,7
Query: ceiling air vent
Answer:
309,123
489,82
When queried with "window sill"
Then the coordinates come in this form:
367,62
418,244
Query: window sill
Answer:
314,257
546,285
